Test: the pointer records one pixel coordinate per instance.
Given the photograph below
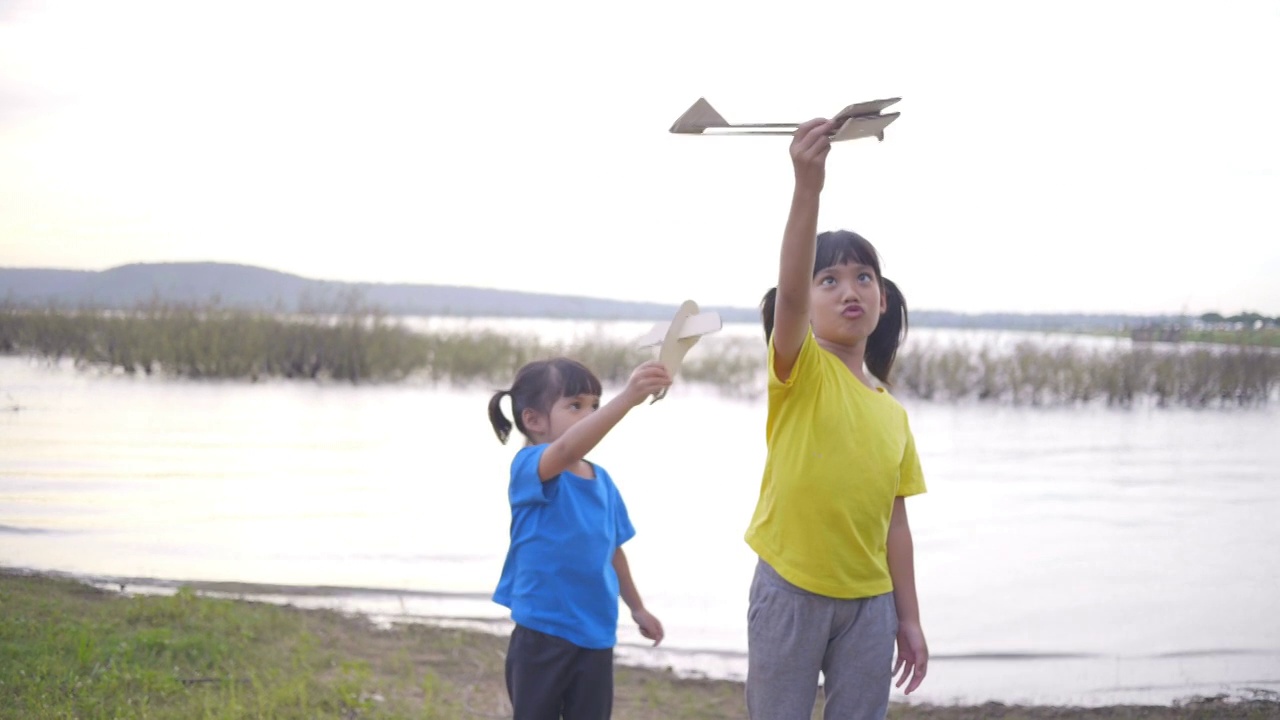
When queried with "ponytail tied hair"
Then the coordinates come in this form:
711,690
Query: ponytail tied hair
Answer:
767,305
882,346
501,425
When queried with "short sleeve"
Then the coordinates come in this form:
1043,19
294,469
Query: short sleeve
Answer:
804,359
623,529
910,474
527,487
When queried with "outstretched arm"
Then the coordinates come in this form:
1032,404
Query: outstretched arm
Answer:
578,440
650,627
913,652
809,152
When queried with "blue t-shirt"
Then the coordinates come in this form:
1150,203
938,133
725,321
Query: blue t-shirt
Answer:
558,577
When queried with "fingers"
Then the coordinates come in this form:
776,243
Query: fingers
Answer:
812,139
651,628
810,130
906,666
651,376
652,366
657,633
916,678
915,671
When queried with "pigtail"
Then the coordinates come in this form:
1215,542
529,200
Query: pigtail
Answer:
766,312
882,345
501,425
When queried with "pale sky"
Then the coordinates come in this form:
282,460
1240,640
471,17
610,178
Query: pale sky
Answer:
1051,157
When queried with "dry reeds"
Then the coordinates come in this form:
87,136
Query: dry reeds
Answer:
368,346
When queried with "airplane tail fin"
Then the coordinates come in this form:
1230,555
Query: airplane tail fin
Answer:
699,117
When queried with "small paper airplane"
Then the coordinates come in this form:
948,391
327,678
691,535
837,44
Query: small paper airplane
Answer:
678,337
859,120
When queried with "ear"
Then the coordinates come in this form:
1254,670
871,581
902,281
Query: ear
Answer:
884,298
534,421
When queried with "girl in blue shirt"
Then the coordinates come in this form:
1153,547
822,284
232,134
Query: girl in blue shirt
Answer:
565,567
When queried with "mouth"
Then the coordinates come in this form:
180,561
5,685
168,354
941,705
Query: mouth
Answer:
853,311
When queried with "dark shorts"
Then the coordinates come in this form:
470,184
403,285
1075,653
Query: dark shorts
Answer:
549,678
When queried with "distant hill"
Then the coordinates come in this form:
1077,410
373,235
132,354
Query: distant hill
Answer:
245,286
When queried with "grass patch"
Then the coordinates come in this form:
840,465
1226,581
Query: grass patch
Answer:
365,346
68,650
1032,374
1246,336
1261,337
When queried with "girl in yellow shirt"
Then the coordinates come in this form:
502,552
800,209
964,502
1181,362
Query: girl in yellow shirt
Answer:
834,587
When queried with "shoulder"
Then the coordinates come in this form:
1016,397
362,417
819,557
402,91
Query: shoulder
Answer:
528,452
808,359
893,416
606,480
889,406
602,475
890,400
526,459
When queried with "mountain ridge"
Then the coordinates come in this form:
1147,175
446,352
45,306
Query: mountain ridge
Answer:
253,287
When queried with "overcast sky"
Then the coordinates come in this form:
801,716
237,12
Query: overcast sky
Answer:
1051,156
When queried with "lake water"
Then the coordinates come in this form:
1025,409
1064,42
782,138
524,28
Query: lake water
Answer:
1084,556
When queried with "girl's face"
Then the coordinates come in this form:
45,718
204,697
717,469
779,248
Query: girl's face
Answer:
845,303
564,414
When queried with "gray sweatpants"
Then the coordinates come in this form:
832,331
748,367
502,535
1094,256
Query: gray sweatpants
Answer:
793,633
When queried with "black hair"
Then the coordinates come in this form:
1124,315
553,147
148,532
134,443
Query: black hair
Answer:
838,247
538,385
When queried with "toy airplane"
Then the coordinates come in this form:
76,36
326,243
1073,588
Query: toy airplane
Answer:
855,121
678,337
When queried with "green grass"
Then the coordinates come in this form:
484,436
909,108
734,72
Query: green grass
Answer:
214,342
68,654
1263,337
68,650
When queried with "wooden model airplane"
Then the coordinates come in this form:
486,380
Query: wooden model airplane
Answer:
855,121
678,337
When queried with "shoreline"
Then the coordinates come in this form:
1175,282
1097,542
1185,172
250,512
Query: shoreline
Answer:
636,666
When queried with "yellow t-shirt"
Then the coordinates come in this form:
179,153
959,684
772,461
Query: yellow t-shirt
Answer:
839,453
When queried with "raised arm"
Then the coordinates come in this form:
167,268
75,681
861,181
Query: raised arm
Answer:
578,440
799,243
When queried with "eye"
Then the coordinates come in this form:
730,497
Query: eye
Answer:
575,405
865,277
826,280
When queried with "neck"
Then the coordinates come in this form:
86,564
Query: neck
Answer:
852,355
